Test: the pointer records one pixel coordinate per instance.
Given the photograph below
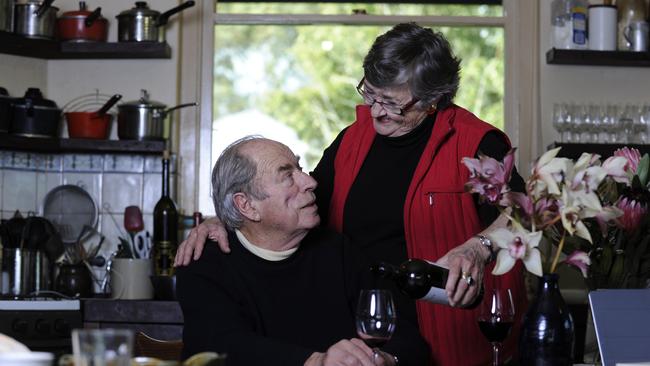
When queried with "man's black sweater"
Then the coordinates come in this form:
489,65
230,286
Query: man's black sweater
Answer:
279,313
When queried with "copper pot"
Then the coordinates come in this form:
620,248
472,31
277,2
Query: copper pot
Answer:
82,25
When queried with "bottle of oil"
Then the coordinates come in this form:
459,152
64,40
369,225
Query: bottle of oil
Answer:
165,227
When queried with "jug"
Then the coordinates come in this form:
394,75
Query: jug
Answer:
636,35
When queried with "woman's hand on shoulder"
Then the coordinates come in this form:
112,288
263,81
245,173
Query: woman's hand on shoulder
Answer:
466,265
192,247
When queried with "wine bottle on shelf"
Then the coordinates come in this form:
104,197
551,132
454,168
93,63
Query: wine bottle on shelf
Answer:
165,227
420,280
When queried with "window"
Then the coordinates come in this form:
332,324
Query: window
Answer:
288,71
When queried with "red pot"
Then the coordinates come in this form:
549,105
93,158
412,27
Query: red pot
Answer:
88,125
82,25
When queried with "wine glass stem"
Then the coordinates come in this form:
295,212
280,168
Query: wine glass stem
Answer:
495,353
375,355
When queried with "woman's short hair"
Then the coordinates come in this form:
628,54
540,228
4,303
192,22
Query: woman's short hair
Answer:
417,56
233,173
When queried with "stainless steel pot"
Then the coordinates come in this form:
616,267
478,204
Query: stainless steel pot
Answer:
24,272
6,15
141,24
143,119
35,18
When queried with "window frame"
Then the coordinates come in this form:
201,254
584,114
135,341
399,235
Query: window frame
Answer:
521,70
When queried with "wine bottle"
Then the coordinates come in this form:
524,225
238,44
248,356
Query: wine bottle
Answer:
421,280
418,279
165,227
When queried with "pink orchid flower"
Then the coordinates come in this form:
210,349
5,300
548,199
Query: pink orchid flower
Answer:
579,259
619,169
489,177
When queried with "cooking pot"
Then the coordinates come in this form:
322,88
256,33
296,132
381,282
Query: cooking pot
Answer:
91,125
6,15
82,25
143,119
34,116
5,109
35,19
26,256
141,24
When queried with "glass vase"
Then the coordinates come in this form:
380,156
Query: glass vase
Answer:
547,332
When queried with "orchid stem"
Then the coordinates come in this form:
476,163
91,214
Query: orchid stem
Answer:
557,253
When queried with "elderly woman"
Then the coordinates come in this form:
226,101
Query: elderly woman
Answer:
393,182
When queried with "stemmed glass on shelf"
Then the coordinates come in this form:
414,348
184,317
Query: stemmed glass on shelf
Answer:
497,314
375,318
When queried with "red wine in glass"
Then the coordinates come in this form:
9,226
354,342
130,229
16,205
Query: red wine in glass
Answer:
375,318
495,319
494,329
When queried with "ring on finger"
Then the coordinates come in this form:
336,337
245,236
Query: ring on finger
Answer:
467,278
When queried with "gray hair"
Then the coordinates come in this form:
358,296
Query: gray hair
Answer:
417,56
234,173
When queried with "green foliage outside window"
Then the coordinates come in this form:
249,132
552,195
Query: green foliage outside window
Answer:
305,76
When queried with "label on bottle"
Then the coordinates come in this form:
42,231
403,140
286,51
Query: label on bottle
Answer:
579,19
163,258
437,296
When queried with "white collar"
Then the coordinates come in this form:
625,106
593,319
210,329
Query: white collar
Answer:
269,255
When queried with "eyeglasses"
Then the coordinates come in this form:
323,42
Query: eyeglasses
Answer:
390,108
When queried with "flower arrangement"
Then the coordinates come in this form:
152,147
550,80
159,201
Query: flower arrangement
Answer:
588,211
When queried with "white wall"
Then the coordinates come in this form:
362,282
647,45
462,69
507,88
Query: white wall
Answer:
19,73
583,84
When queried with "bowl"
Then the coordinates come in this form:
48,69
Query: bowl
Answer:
164,287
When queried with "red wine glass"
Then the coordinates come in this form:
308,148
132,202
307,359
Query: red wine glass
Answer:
495,319
375,318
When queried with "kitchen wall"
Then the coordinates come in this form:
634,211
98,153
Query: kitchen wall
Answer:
117,179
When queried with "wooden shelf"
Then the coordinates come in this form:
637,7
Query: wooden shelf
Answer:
574,151
54,145
14,44
556,56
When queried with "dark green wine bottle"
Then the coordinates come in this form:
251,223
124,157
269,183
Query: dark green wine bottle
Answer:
165,227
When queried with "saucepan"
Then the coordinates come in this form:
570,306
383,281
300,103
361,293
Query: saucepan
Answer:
34,19
91,125
144,119
82,25
142,24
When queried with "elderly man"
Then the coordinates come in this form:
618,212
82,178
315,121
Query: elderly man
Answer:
286,294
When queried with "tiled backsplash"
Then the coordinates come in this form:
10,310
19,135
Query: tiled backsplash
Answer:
114,181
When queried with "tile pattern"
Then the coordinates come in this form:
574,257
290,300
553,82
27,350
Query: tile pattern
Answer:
113,180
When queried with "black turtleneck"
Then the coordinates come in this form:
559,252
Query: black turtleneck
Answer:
374,210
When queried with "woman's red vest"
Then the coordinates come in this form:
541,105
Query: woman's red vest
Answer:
438,216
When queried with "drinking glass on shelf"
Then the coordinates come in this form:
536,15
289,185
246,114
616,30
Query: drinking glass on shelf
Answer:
561,123
497,314
375,318
610,120
644,124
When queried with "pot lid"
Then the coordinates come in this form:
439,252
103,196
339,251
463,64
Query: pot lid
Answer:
34,97
82,12
143,102
141,9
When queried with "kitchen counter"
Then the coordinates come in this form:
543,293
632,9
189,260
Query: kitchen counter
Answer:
158,319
